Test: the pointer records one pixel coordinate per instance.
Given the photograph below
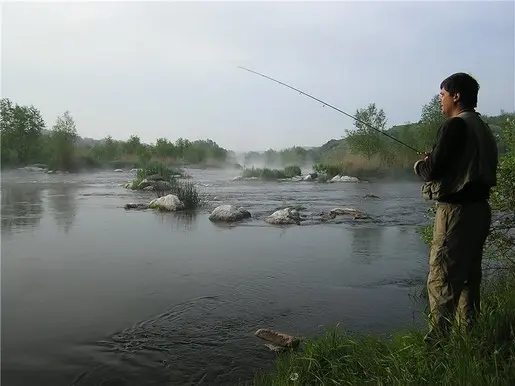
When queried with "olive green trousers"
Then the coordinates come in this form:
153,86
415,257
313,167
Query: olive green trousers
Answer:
453,284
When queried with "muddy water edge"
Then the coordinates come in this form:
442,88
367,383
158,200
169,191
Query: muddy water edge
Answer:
93,294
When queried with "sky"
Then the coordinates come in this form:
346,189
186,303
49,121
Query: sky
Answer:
170,69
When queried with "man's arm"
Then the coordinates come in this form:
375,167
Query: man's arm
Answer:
449,145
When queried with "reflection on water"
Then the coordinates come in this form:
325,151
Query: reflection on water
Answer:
367,244
63,205
22,206
180,221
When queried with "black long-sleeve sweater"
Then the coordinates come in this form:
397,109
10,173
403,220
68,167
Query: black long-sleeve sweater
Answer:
449,147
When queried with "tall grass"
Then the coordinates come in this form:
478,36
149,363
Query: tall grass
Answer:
484,356
358,165
185,191
157,168
267,174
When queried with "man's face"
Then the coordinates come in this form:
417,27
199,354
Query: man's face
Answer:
447,102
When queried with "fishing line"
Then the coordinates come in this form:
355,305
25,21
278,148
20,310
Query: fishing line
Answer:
333,107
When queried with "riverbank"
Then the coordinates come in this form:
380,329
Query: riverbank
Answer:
485,356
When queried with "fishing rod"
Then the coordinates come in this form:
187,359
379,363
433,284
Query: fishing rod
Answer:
333,107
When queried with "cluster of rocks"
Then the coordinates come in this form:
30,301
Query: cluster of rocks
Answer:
283,216
42,168
231,213
309,177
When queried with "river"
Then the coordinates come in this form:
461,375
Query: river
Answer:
93,294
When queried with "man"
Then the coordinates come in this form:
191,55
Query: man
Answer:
458,174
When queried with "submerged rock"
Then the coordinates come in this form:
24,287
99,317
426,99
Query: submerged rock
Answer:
229,213
345,212
169,203
370,196
278,340
136,206
284,216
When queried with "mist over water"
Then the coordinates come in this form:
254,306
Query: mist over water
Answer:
96,295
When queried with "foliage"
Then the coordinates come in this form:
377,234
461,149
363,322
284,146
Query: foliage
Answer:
364,139
25,141
21,132
294,155
292,171
328,169
501,242
184,190
159,169
375,155
187,193
61,143
267,174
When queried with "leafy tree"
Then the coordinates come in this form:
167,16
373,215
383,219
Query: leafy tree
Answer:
62,142
21,130
430,120
365,140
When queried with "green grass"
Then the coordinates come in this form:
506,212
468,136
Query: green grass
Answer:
485,356
160,169
267,174
185,191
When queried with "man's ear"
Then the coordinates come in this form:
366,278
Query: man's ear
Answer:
456,97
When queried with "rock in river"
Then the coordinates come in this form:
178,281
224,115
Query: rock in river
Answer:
346,212
136,206
229,213
340,178
169,203
284,216
278,340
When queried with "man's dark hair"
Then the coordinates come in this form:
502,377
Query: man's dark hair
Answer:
464,84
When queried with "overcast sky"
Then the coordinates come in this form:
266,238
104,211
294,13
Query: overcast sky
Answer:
170,69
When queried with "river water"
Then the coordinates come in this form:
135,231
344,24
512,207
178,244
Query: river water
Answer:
93,294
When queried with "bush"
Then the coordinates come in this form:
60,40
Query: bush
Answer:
187,193
292,171
329,170
267,174
158,168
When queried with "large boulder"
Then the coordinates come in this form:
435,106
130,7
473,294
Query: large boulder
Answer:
169,203
284,216
229,213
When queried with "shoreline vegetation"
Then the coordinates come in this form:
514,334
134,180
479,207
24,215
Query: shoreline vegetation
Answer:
26,140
